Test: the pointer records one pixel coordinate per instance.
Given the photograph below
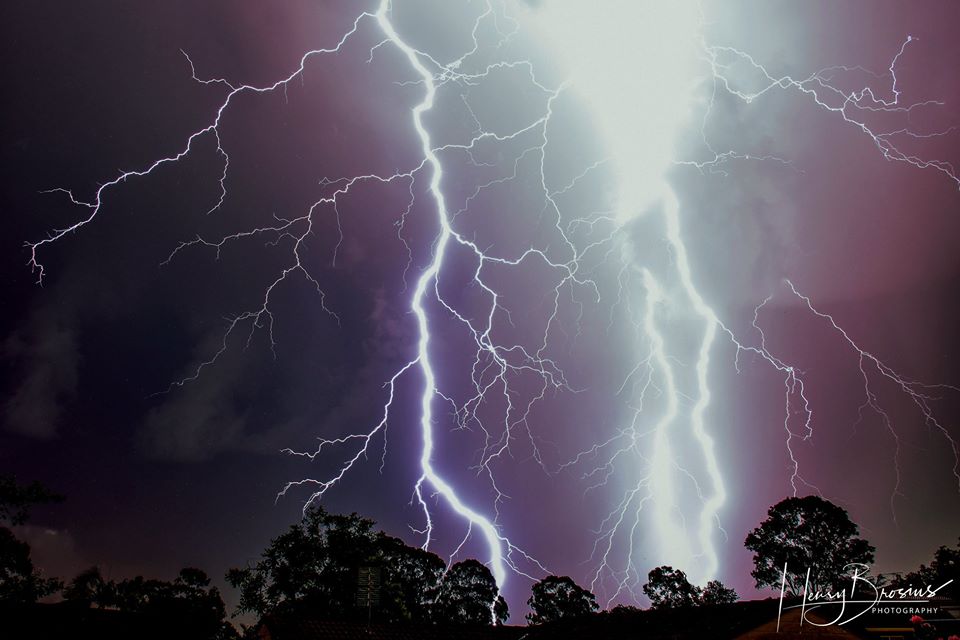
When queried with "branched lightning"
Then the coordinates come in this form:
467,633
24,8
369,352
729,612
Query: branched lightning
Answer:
855,107
667,450
646,445
494,364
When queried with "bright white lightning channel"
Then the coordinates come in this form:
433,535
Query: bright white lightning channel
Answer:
635,65
429,276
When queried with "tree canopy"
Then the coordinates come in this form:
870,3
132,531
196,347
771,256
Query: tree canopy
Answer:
558,597
806,533
20,581
411,580
315,565
668,588
469,595
16,500
717,593
189,597
944,567
90,587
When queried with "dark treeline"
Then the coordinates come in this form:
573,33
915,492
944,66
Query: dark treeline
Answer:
321,563
341,568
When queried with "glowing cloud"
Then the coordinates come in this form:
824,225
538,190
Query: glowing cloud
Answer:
635,65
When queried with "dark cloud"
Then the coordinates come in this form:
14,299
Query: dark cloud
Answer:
53,551
200,418
44,356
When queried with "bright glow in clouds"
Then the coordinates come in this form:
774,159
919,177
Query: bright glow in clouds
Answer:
634,63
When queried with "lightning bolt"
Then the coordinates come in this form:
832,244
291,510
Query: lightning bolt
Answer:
502,553
664,456
683,533
857,108
506,360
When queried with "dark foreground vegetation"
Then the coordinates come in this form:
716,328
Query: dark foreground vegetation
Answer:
337,576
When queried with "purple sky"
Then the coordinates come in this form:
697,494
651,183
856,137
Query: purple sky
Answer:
189,477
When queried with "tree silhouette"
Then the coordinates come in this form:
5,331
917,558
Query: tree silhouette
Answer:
16,499
412,580
20,582
314,567
189,598
313,564
139,594
944,568
625,610
717,593
668,588
469,595
89,587
557,597
806,533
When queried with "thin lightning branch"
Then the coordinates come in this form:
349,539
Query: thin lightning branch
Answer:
502,553
853,107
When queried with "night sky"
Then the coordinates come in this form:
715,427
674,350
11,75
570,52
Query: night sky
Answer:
160,475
